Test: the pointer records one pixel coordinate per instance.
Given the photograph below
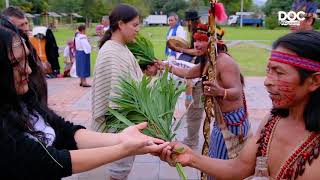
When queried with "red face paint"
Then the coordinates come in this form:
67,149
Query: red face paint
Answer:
282,93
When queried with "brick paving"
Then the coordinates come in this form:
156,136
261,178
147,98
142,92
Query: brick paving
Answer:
72,102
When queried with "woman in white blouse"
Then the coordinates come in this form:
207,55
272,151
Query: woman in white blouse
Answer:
83,50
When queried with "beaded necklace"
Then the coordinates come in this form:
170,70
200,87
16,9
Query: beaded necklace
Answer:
295,165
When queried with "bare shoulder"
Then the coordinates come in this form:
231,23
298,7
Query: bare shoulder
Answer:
226,61
263,123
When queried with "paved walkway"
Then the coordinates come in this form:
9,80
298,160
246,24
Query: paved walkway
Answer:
71,101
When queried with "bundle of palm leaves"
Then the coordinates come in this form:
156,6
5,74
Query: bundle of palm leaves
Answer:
142,101
142,49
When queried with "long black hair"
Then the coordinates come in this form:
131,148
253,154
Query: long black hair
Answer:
37,77
305,44
16,110
121,12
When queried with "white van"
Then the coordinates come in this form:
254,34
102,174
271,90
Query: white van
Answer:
155,20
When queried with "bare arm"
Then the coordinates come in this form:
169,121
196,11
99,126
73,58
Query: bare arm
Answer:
230,77
229,73
130,142
238,168
191,73
89,139
192,52
87,159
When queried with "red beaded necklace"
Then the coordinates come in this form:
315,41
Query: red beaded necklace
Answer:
295,165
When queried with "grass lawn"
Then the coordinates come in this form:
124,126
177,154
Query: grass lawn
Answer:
252,60
252,33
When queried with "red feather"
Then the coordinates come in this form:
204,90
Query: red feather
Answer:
220,12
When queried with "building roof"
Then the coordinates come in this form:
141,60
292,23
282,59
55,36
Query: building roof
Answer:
53,14
76,15
28,15
64,14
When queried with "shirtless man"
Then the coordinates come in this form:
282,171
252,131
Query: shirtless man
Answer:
228,90
290,136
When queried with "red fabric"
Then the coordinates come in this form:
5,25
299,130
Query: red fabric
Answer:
200,37
220,12
203,27
295,60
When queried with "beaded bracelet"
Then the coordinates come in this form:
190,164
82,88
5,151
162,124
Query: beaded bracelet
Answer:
189,97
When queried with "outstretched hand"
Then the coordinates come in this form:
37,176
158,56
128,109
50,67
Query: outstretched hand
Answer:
172,157
137,143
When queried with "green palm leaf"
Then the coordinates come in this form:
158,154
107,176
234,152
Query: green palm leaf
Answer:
140,101
143,50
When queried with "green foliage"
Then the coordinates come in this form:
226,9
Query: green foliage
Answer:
316,24
31,6
143,6
273,6
157,5
143,50
252,60
233,6
65,6
153,102
272,22
175,6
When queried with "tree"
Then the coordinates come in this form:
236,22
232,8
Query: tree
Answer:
31,6
142,5
273,6
177,6
65,6
157,5
233,6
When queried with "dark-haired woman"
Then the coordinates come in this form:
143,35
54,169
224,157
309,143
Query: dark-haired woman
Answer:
113,61
83,50
38,144
290,137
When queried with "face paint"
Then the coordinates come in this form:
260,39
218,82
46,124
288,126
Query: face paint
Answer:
283,92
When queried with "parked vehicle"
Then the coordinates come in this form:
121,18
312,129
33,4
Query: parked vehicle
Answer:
248,18
155,20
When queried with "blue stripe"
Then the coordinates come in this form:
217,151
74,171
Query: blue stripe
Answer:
217,147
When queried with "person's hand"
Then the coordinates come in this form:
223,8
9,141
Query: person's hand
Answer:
213,89
169,155
160,65
136,143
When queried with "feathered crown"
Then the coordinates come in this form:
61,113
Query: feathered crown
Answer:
308,6
203,34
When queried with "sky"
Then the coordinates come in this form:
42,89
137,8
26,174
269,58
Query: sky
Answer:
259,2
